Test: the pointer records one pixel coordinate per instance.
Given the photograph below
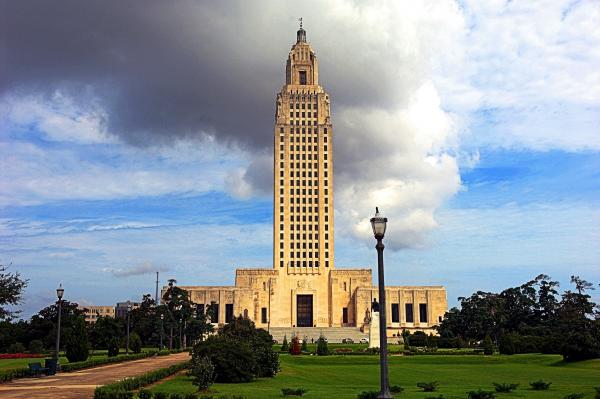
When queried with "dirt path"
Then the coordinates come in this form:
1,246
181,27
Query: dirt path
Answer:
81,384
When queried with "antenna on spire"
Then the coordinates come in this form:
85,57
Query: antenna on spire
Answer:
300,22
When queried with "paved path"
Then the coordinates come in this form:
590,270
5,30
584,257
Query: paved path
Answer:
81,384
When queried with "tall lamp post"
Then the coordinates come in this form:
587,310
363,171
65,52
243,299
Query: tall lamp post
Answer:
162,318
379,225
128,312
59,293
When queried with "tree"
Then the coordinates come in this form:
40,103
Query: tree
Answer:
322,349
113,347
11,288
104,330
304,347
295,346
77,345
203,372
135,342
44,324
285,346
488,346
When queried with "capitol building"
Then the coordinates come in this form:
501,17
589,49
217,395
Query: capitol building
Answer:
304,289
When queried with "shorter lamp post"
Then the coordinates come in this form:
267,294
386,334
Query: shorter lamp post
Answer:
162,318
379,225
128,312
59,293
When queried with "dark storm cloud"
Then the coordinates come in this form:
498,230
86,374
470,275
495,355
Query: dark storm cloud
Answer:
164,70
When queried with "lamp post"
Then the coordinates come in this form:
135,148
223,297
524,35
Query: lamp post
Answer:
128,312
59,293
379,225
162,318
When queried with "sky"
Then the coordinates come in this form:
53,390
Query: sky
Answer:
137,137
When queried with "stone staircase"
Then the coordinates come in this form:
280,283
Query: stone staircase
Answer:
333,334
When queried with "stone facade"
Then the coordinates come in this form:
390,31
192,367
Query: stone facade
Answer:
92,312
303,288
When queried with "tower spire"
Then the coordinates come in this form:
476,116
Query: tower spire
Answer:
301,34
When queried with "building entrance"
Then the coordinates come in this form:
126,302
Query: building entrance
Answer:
304,310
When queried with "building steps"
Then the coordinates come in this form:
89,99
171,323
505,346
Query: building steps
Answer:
333,334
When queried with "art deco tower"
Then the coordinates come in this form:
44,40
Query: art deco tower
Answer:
303,169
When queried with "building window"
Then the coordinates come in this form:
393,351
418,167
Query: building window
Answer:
302,77
228,312
395,313
345,286
265,285
345,315
200,308
423,312
409,313
263,315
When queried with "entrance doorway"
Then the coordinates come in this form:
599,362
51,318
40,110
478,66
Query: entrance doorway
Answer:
304,310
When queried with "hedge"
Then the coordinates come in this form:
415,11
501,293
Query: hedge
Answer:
124,388
21,372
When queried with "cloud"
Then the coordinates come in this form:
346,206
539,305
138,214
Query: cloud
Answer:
144,268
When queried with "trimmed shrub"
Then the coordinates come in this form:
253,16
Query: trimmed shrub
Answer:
144,394
11,374
233,360
17,347
419,338
503,387
113,347
395,389
540,385
304,347
574,396
368,395
507,346
135,343
428,386
488,346
481,394
36,346
160,395
285,346
580,345
295,346
203,372
293,391
322,349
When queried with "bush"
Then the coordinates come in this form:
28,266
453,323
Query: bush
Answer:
419,338
574,396
77,345
113,347
488,346
293,391
435,397
285,347
203,372
368,395
507,346
160,395
505,387
190,396
428,386
304,347
10,374
144,394
322,349
233,360
295,346
580,345
481,394
36,346
135,342
396,389
540,385
175,396
597,389
106,360
17,347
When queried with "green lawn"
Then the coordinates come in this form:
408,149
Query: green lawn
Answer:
345,376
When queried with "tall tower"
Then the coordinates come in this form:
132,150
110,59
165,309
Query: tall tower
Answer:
303,168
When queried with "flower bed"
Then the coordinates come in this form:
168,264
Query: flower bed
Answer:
20,355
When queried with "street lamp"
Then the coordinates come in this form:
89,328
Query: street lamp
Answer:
379,225
128,311
162,318
59,293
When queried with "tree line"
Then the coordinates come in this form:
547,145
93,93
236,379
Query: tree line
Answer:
532,317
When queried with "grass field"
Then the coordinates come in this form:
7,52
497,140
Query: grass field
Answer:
346,376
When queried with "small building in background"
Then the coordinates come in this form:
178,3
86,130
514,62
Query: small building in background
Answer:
92,312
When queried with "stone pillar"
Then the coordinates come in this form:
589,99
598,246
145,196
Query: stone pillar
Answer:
374,330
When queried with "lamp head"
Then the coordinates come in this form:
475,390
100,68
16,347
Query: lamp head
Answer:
59,292
379,224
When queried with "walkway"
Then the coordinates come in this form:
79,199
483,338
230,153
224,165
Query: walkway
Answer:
81,384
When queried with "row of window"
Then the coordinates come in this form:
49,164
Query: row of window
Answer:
304,209
303,191
303,114
303,263
297,138
304,173
409,312
310,246
304,182
315,148
304,218
304,227
305,122
304,165
304,156
303,105
299,130
302,200
304,236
